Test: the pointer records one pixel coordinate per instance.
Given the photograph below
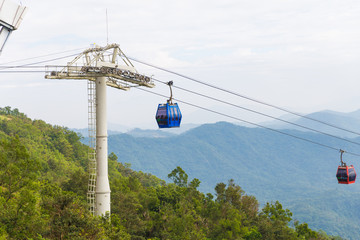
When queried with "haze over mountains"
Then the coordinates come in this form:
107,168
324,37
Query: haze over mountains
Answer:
267,164
349,121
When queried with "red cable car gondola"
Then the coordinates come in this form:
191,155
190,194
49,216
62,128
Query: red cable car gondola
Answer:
345,174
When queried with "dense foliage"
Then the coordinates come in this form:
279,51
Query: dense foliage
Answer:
43,184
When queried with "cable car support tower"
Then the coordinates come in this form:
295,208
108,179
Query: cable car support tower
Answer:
102,67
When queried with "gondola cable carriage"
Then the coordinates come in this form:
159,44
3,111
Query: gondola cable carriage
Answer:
345,174
168,115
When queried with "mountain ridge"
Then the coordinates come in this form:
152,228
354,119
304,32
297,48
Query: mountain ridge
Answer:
341,120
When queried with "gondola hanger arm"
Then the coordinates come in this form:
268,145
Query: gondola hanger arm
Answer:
170,83
343,164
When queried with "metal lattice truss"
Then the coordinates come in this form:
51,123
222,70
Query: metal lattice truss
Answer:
108,61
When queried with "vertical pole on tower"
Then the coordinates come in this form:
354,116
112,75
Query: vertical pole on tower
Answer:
102,195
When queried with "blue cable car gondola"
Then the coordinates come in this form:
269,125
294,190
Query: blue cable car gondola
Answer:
168,115
345,174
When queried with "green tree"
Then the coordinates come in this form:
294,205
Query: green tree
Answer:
303,231
274,222
19,212
220,192
68,215
179,177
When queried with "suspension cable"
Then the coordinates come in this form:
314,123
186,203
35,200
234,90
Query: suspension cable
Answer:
44,61
22,71
252,123
25,59
193,92
243,96
263,114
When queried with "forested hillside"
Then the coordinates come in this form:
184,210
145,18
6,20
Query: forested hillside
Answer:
43,184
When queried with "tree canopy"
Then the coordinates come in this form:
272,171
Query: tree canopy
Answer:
43,184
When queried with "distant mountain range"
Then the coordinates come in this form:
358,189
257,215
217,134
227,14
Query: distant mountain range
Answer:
349,121
137,132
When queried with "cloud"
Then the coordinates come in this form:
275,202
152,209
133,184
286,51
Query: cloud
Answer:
291,53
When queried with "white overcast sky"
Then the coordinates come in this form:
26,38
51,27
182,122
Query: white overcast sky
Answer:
302,55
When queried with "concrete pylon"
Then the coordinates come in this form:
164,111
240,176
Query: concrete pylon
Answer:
102,194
